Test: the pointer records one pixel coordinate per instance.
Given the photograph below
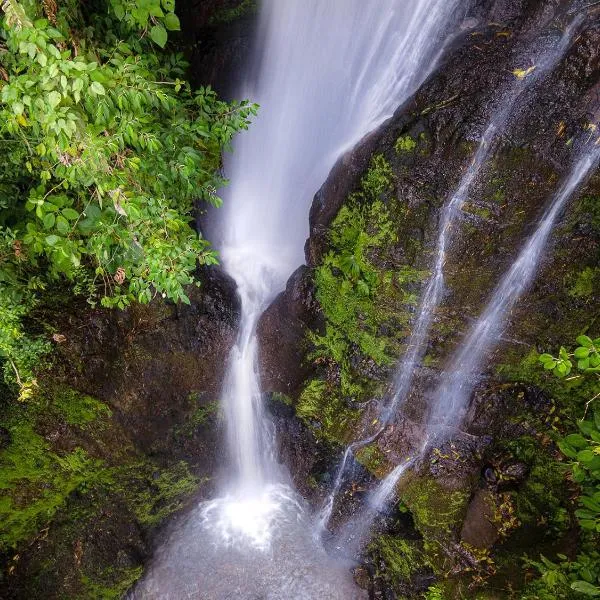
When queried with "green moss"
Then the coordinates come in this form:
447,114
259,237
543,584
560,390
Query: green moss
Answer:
199,417
584,283
319,402
349,283
36,482
283,398
403,558
243,9
435,592
367,305
76,408
373,459
436,510
151,493
405,143
478,211
111,585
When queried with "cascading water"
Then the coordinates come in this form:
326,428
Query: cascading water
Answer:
451,397
417,344
434,291
327,74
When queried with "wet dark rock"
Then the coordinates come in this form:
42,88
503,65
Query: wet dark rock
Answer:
480,527
282,333
5,438
159,370
218,46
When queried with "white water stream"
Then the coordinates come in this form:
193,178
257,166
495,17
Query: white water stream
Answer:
434,291
453,394
327,72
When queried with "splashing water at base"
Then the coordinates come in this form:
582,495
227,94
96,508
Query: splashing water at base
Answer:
236,548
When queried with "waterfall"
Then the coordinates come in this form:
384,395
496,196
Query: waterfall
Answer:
434,291
325,73
452,396
417,344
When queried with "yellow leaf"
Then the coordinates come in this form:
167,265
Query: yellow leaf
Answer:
522,73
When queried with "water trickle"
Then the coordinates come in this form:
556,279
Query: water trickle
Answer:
451,398
417,344
434,291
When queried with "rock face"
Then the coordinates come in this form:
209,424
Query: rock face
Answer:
123,434
217,36
331,343
282,330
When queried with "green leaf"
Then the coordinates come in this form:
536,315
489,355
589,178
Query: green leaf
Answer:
158,34
51,240
171,22
544,358
585,341
577,441
54,99
590,504
49,220
119,11
70,214
567,450
585,456
583,364
584,587
581,352
97,88
62,225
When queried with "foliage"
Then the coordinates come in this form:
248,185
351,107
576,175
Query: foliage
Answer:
243,9
566,579
348,282
579,577
405,143
106,151
587,355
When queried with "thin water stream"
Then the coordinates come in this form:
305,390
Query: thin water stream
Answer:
451,398
434,291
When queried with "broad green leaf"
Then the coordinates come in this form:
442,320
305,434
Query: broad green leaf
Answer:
158,34
585,456
583,587
576,440
97,88
54,99
582,352
585,341
70,214
49,220
171,22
